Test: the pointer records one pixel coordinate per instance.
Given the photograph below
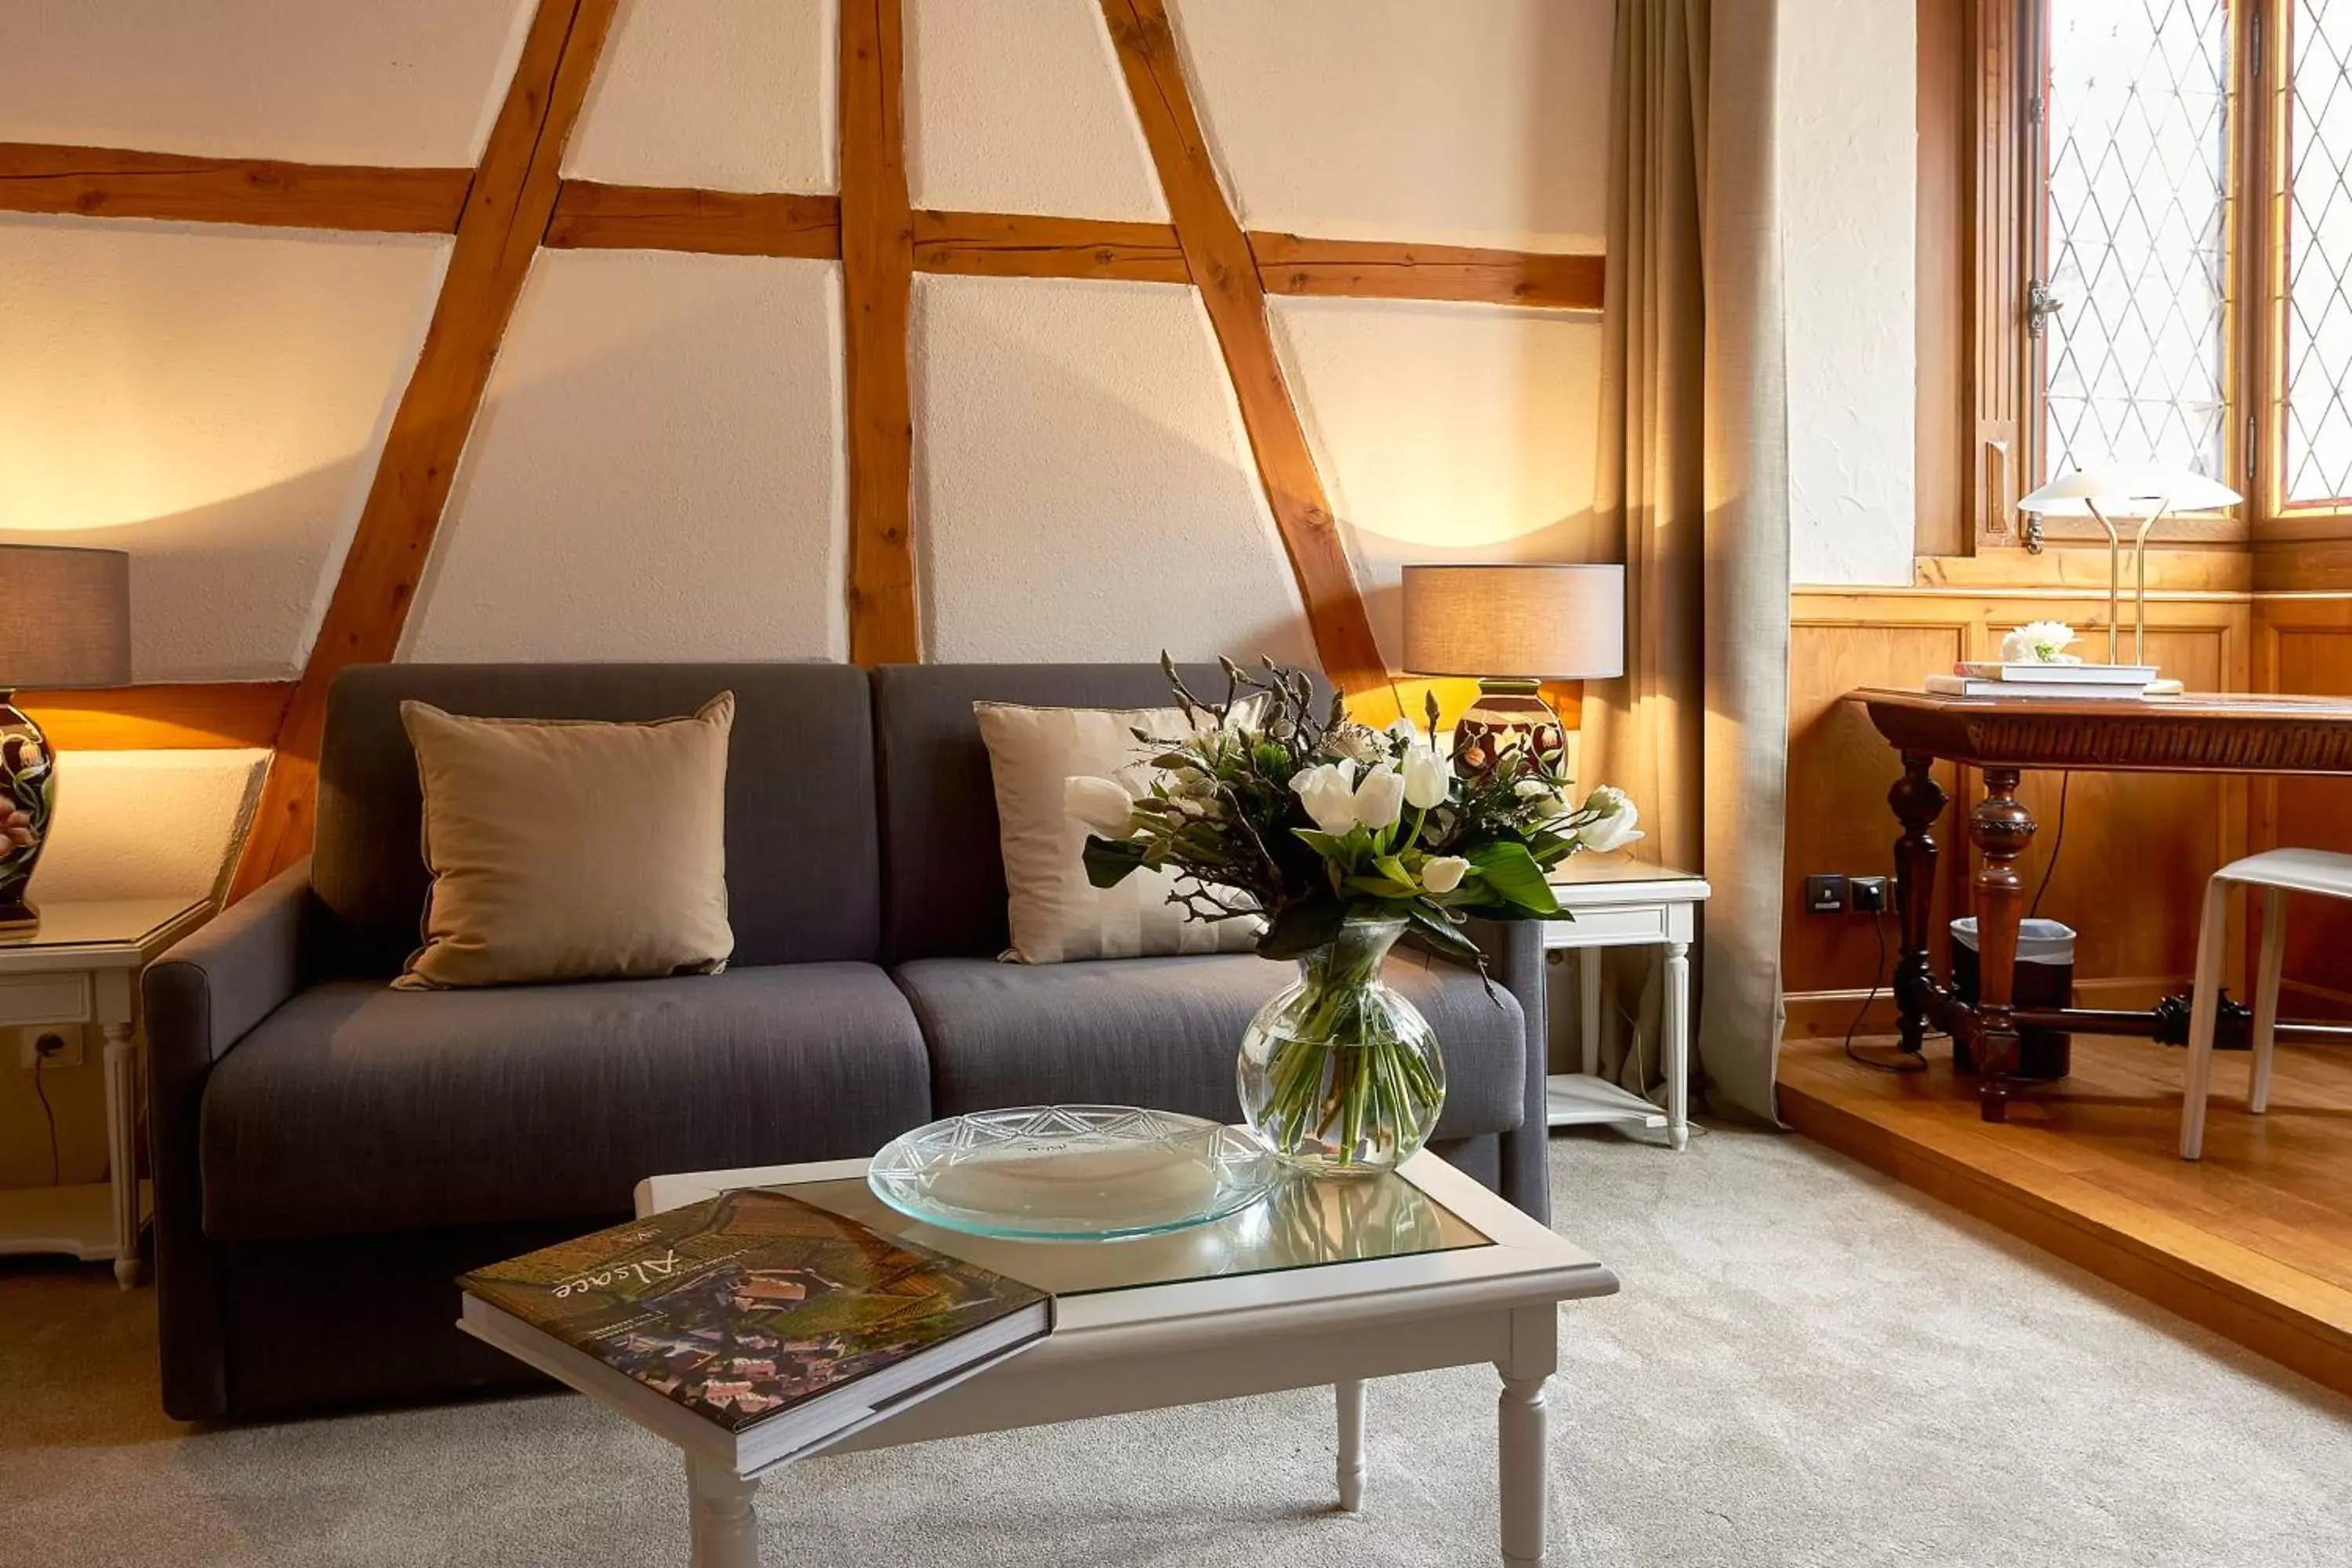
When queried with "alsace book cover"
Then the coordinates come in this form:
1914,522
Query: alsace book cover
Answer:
747,1304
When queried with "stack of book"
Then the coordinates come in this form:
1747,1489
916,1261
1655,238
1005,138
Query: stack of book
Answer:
2071,682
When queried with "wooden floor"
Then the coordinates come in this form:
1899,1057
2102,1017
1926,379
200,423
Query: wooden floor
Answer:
2255,1241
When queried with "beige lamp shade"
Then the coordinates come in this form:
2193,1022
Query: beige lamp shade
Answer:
65,616
1541,622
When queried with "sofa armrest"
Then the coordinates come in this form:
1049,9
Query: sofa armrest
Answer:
203,996
1515,962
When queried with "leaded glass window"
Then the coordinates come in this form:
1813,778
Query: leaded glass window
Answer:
2318,239
2134,233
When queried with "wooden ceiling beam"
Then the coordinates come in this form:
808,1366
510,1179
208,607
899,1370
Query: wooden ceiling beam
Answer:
589,216
209,715
108,181
1223,265
512,196
1018,245
878,277
1393,270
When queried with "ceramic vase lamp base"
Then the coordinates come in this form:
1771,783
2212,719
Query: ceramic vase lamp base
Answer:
27,798
1510,714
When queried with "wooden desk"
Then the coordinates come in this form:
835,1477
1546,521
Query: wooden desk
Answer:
2005,736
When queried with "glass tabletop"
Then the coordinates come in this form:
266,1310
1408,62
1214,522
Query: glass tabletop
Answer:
1300,1224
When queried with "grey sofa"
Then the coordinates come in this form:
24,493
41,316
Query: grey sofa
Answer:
330,1153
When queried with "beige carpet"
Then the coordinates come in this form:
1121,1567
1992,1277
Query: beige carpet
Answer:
1809,1366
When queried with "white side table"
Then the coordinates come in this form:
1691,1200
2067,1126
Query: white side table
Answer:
81,967
1625,904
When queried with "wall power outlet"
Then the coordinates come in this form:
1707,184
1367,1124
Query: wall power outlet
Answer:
51,1045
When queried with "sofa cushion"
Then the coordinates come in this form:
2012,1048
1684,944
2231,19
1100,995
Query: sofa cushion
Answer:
803,864
945,893
1165,1032
356,1107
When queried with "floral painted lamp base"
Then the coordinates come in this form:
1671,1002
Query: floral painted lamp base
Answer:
27,795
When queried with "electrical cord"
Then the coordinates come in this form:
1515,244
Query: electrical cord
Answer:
41,1093
2056,845
1906,1061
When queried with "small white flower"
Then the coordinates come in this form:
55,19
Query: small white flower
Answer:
1379,799
1444,873
1328,794
2039,642
1358,743
1102,804
1614,826
1428,781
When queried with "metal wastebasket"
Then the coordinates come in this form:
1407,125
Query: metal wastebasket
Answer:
2045,978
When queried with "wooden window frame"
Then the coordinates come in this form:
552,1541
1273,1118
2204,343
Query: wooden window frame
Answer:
1980,431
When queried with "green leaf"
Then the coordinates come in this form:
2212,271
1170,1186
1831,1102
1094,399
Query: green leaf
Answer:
1111,861
1302,928
1326,845
1514,876
1441,935
1391,868
1381,887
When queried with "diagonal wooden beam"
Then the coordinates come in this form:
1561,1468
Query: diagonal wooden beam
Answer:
1390,269
1222,265
208,715
877,279
507,211
1017,244
110,182
589,216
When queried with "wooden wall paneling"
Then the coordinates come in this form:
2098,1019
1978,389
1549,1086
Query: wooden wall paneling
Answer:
1839,773
1223,265
1390,269
878,270
507,211
2304,645
169,717
110,182
589,216
1019,245
2138,848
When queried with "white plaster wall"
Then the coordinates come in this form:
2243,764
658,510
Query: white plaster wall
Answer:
417,81
1082,483
1849,129
146,825
731,95
1471,122
1446,433
1019,106
657,470
212,399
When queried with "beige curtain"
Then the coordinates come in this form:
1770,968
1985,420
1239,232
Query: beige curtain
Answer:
1694,480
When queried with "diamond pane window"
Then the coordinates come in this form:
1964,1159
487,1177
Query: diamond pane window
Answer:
2134,233
2319,256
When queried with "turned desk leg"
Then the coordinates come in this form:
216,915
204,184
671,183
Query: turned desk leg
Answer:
1918,800
2001,829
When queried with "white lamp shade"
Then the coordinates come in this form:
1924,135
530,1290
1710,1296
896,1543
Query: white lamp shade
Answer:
1545,622
2128,490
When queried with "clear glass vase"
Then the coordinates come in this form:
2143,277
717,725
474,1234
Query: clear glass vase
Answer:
1339,1075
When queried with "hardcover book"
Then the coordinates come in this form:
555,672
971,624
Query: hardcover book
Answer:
774,1324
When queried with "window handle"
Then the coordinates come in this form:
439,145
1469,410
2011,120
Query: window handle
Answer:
2041,304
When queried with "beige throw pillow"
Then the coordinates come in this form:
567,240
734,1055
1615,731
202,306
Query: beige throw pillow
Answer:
1055,913
565,850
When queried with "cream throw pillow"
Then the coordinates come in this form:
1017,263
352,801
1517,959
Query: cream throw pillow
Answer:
565,850
1055,913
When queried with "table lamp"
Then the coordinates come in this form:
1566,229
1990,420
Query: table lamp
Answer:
1511,628
2140,490
65,620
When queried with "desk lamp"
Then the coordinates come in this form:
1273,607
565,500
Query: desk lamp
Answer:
2127,490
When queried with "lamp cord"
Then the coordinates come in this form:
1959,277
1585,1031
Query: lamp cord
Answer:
2057,844
1906,1061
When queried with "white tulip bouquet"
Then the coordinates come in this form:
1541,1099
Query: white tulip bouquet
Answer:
1267,810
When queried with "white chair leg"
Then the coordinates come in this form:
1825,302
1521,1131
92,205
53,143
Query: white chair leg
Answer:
2204,1004
2266,990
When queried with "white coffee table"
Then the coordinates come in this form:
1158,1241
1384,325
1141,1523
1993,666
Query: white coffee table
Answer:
1332,1282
